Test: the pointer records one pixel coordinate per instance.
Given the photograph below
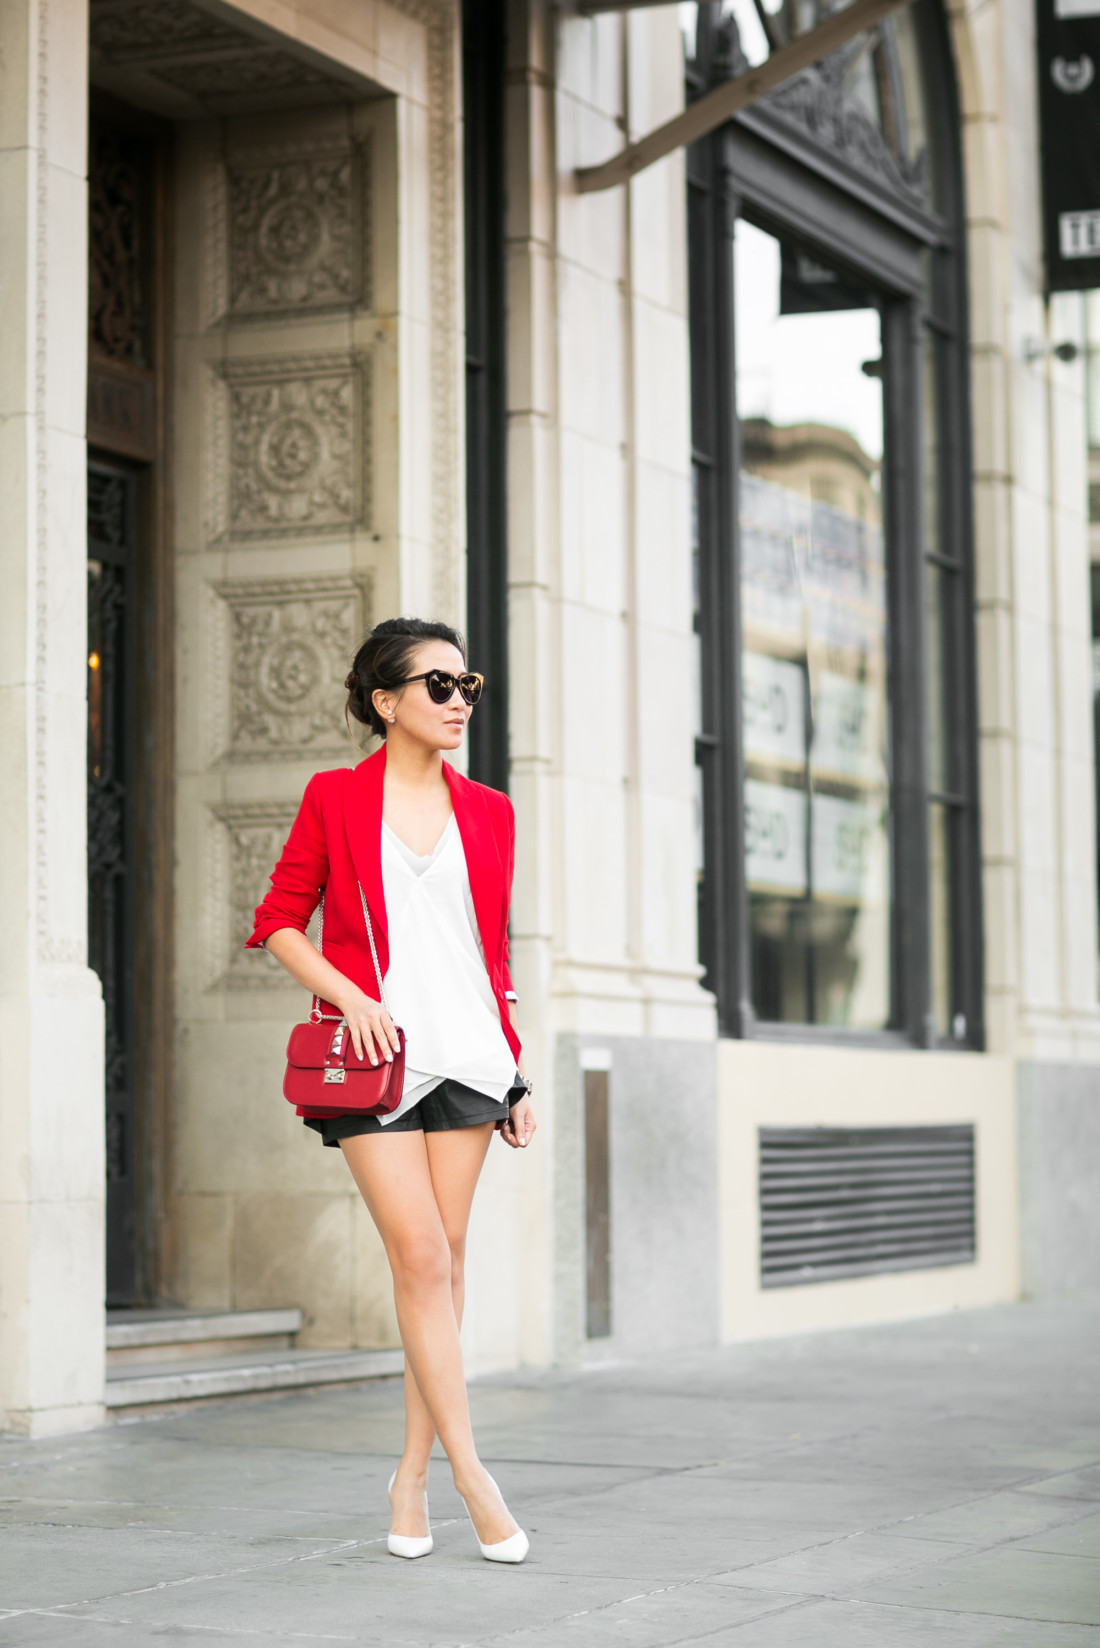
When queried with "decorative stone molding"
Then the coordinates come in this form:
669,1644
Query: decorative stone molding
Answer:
289,644
179,57
294,461
215,441
215,699
247,840
298,229
440,20
214,295
59,922
228,291
246,72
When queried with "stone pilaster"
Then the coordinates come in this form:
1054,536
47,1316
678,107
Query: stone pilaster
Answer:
51,1034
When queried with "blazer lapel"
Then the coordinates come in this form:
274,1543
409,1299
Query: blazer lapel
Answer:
475,826
363,824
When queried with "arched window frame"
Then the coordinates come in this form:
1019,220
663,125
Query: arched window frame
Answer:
788,184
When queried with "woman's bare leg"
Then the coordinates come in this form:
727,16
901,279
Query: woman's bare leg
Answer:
455,1159
407,1183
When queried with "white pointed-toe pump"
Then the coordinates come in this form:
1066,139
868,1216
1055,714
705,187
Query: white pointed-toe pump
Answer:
408,1544
512,1549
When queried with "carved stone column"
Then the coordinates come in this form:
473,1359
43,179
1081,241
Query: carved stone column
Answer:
51,1029
278,345
317,481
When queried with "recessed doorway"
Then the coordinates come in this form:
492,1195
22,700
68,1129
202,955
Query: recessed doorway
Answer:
129,674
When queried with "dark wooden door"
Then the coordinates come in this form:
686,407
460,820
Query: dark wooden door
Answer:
112,727
127,819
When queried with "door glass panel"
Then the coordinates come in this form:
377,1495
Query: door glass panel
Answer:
937,603
939,842
813,599
1094,574
943,600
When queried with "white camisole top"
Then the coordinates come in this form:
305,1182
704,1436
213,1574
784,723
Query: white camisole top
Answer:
437,986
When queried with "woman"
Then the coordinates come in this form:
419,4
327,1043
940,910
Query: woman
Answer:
433,854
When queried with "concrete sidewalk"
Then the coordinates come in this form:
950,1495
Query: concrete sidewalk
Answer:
933,1482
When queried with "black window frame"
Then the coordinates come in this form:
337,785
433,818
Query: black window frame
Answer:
483,92
761,170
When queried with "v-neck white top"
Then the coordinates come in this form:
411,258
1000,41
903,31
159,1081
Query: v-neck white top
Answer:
437,986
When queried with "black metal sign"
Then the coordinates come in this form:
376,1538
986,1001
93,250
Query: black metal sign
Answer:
1069,112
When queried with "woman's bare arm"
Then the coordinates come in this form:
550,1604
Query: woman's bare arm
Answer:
520,1125
369,1023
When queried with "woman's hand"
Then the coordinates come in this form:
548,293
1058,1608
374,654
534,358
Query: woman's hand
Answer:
373,1032
519,1129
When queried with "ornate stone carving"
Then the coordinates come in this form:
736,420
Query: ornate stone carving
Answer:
121,383
290,641
296,450
126,30
443,458
205,57
818,102
296,230
116,320
249,71
243,854
107,499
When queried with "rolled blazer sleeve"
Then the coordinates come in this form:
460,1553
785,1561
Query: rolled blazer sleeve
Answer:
298,879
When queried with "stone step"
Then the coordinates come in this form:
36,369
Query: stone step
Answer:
168,1334
190,1380
167,1325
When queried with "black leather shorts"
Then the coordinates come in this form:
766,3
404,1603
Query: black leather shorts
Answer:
447,1106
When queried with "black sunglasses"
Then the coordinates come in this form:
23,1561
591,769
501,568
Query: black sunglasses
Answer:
441,685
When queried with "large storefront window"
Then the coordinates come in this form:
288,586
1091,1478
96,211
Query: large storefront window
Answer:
813,637
839,889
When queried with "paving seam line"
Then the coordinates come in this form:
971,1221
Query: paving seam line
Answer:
966,1613
622,1602
229,1573
58,1611
224,1630
967,1550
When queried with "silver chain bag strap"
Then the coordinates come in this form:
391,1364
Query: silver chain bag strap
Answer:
316,1016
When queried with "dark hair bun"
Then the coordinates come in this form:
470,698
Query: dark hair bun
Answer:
385,660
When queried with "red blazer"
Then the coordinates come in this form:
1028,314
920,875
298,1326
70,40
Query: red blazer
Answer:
335,846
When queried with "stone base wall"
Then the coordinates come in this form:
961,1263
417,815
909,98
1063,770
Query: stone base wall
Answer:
766,1085
663,1203
1059,1120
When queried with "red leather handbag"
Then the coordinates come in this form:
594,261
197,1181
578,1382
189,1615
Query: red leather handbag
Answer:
323,1075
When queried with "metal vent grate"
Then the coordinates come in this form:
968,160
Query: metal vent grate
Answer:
853,1201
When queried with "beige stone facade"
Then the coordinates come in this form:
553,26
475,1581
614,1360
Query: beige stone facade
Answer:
312,463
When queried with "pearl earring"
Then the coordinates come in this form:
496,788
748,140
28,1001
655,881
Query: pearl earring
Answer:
391,718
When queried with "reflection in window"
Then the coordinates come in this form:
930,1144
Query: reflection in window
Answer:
813,600
1094,574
